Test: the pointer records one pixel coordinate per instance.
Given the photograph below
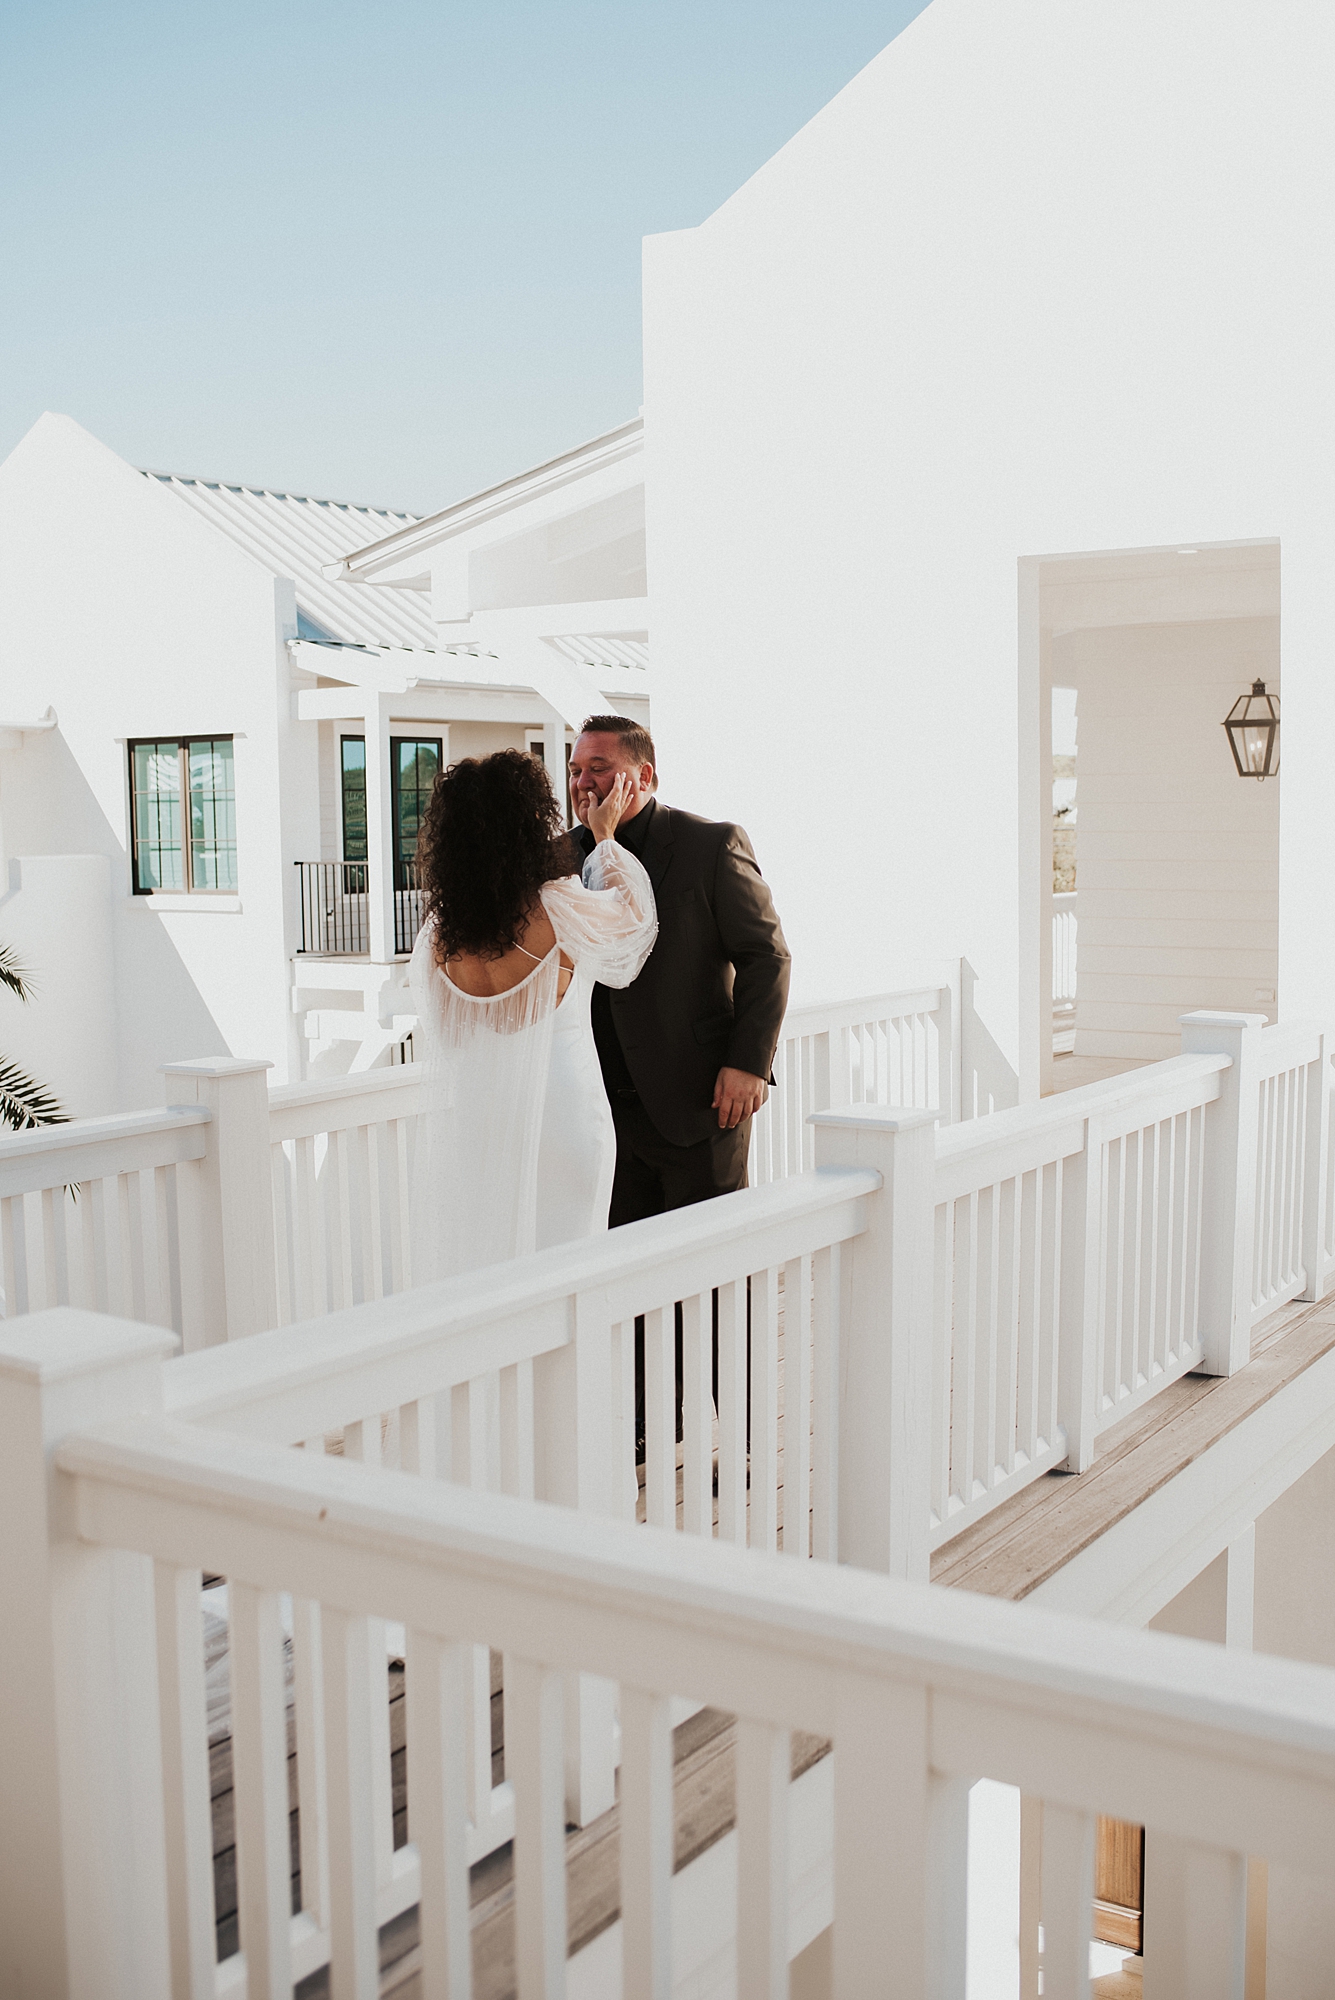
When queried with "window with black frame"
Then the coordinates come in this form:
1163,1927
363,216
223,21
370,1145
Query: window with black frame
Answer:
183,816
414,766
352,758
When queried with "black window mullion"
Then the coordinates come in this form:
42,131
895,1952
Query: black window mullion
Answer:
187,817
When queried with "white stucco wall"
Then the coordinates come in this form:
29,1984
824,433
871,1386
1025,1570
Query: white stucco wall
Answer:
1041,279
56,917
132,618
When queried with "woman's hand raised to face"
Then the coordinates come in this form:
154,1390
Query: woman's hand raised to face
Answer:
605,817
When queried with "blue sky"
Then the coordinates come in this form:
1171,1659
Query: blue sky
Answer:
385,253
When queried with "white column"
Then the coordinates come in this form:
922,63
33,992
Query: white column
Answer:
379,831
83,1870
886,1342
554,755
228,1284
1229,1220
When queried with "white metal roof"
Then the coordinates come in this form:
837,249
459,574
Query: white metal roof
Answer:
295,536
598,650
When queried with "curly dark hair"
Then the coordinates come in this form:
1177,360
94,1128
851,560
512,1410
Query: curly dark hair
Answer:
490,837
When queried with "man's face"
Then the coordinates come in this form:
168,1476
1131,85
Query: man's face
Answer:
594,763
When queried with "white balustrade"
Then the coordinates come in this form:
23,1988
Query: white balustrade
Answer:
1292,1153
1064,934
1219,1756
341,1161
104,1213
270,1224
521,1381
1067,1276
899,1049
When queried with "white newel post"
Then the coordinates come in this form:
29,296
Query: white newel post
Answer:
1228,1220
885,1372
228,1279
83,1874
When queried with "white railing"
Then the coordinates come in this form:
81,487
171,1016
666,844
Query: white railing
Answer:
1292,1079
102,1214
341,1159
1064,931
1067,1272
326,1220
1087,1250
522,1382
919,1694
892,1048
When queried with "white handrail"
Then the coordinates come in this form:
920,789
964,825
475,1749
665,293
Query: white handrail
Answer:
331,1104
87,1148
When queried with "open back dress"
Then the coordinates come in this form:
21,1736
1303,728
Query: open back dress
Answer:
516,1149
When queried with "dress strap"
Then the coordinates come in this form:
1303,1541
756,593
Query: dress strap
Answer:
531,954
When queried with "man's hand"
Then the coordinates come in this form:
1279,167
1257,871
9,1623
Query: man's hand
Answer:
737,1095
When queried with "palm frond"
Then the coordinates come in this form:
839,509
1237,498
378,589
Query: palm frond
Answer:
12,974
24,1105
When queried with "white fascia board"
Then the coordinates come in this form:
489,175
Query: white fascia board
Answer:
463,703
608,465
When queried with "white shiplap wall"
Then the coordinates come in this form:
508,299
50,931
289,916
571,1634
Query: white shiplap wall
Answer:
1177,857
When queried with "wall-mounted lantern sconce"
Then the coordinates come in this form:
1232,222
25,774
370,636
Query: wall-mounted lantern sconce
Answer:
1253,733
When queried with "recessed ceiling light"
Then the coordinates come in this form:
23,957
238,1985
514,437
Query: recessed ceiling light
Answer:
1188,552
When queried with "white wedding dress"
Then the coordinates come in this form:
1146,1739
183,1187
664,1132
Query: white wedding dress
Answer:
517,1148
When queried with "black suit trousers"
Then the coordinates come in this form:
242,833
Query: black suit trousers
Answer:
652,1177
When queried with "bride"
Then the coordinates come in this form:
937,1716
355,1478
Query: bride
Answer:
519,1143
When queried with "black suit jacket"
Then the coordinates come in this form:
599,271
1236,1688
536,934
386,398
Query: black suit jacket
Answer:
715,987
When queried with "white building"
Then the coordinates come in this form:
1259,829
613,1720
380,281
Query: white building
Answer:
182,654
1006,373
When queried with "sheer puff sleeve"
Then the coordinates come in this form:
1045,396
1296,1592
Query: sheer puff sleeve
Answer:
608,922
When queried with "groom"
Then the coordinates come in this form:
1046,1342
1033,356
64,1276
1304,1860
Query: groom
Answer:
686,1049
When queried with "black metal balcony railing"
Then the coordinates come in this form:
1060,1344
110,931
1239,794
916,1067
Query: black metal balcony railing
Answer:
407,905
336,907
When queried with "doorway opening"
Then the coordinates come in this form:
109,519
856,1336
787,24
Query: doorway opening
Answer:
1173,858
